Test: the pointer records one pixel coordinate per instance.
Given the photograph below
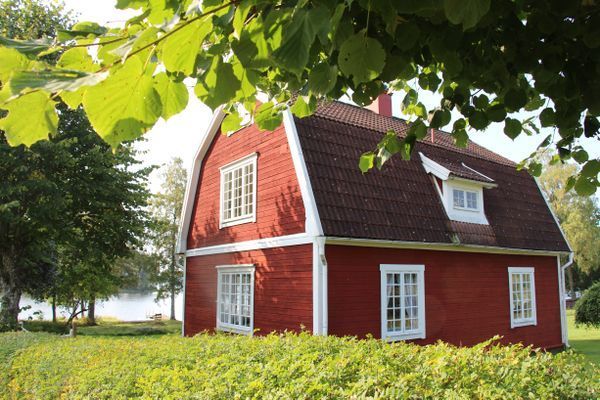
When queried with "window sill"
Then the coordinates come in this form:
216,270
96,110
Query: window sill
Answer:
235,329
521,324
402,337
245,220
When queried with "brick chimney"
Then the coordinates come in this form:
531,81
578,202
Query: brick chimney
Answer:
382,105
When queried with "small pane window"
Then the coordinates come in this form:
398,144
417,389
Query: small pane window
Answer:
238,192
465,199
235,299
522,297
402,302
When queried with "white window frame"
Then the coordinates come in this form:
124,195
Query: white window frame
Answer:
250,159
403,268
514,322
463,214
233,269
465,199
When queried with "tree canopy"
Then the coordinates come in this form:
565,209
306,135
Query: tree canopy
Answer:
486,60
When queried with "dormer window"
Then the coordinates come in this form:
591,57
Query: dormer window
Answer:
460,188
465,199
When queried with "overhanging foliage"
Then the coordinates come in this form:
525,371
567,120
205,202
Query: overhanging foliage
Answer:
487,60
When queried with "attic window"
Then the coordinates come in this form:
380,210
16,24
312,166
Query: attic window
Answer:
465,199
460,188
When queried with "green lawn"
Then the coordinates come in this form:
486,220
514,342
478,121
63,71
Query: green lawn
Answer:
583,339
110,327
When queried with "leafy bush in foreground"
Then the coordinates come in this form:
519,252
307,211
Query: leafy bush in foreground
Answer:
587,309
292,367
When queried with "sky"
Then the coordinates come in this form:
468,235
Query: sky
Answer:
181,135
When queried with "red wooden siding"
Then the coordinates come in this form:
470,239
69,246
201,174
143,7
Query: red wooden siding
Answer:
279,211
466,294
282,289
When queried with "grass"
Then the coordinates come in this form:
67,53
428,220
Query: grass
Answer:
109,327
583,339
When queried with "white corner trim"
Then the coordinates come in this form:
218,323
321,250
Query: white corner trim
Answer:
313,221
561,295
524,322
552,212
265,243
192,184
319,279
183,297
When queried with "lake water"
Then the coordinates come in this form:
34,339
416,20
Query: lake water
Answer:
126,306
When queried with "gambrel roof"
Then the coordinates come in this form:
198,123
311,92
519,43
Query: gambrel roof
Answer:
400,203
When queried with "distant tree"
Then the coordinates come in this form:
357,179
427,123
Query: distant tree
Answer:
165,208
69,206
579,218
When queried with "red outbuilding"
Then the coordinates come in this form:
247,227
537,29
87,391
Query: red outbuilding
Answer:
282,231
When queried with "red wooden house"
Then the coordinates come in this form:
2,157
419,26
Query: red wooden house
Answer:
281,231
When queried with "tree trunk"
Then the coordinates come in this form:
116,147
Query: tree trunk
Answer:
172,304
54,309
570,276
10,294
91,313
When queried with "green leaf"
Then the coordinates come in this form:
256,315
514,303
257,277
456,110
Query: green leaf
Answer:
580,156
304,106
466,12
585,186
248,80
440,118
591,169
231,123
366,162
461,138
361,57
133,4
28,47
515,99
125,105
535,168
547,117
322,78
298,38
162,11
179,51
496,113
11,60
479,120
173,95
418,129
30,118
512,128
81,30
218,85
55,80
268,117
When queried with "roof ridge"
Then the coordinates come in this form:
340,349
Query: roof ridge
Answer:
458,150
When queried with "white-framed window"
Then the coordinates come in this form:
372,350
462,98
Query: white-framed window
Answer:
521,282
235,298
402,301
465,199
238,191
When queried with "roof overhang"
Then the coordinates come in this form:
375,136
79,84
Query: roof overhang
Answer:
446,174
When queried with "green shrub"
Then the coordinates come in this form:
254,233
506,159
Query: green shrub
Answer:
587,308
10,344
59,327
292,367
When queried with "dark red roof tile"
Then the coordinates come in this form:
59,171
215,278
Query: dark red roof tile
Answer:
400,202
